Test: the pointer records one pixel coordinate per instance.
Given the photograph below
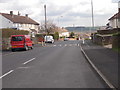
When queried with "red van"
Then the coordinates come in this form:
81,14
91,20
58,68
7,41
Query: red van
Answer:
21,42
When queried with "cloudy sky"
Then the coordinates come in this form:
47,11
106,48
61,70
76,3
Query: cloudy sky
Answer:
63,12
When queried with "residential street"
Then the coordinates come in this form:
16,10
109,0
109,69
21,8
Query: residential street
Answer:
58,65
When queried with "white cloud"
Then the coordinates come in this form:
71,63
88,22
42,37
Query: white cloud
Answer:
76,12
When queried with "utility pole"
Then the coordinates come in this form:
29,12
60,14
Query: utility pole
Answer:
92,18
45,20
92,14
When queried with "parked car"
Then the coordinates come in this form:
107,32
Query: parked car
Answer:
21,42
66,39
49,39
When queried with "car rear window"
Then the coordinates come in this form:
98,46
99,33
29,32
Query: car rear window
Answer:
19,38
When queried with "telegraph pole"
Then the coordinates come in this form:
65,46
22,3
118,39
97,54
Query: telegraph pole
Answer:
92,14
45,20
92,17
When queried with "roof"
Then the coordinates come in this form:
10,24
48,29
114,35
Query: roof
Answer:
117,15
19,19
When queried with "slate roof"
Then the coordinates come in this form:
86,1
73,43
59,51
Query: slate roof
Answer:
117,15
19,19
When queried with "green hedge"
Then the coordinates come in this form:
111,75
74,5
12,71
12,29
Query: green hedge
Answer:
116,34
6,33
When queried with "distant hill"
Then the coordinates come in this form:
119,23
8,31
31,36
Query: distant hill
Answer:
81,29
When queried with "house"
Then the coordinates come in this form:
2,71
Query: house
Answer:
64,32
18,22
115,19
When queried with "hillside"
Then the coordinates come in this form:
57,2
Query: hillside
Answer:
81,29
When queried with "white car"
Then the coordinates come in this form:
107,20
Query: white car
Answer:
48,39
66,39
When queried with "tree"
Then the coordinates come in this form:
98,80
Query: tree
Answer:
56,35
72,34
50,27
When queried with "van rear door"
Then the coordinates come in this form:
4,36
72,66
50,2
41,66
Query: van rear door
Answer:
17,42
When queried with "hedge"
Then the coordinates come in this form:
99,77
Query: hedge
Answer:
6,33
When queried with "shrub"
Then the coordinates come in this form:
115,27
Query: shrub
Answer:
6,33
116,34
56,36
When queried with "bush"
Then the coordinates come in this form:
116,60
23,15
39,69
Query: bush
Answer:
116,34
6,33
56,36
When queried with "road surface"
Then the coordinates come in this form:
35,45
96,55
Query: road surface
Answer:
58,65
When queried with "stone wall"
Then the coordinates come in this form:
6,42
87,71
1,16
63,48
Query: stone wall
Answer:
110,31
116,42
102,39
105,37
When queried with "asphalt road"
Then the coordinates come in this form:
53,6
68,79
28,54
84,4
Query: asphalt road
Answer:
58,65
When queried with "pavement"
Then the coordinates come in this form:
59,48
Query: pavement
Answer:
105,59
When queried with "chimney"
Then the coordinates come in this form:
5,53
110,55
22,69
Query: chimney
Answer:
18,13
11,13
119,6
26,15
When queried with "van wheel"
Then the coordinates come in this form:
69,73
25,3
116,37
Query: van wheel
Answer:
13,50
26,48
32,47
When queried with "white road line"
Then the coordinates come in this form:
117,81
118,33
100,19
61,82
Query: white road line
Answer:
60,45
28,61
78,45
65,44
6,74
54,45
75,44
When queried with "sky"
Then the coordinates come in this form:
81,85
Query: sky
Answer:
63,13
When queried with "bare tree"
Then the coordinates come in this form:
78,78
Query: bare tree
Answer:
50,26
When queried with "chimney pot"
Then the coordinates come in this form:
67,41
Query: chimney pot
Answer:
18,13
11,13
26,15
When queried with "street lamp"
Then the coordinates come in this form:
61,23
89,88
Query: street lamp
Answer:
59,20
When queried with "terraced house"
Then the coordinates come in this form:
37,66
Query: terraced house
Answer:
18,22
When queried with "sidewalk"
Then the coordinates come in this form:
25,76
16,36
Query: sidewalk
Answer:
105,59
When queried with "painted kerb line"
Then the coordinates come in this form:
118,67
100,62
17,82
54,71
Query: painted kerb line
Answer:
28,61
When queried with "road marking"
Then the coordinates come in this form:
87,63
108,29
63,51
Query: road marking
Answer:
6,74
60,45
8,54
65,44
54,45
75,44
28,61
97,70
78,45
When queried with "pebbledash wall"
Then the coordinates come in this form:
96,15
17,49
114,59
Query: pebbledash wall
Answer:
0,59
5,23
